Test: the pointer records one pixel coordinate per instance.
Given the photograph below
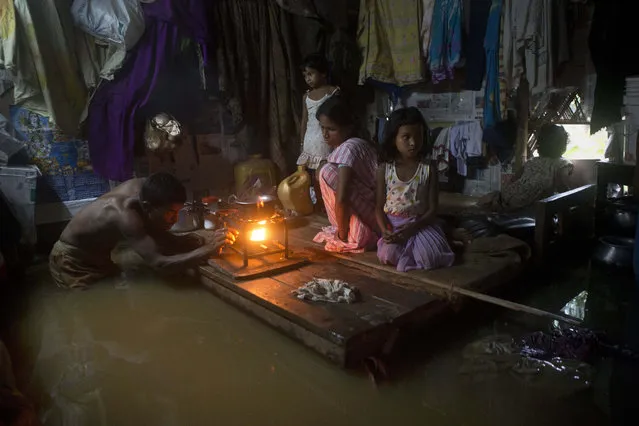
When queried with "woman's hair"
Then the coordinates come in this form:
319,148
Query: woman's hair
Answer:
402,117
162,189
338,110
317,62
552,141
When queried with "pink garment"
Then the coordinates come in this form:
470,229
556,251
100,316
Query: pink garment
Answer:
428,249
360,156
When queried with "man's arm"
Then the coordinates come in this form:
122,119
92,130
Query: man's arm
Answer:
342,202
134,231
173,244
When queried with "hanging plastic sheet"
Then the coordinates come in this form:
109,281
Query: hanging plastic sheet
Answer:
115,21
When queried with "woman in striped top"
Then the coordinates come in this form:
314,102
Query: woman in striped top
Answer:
347,180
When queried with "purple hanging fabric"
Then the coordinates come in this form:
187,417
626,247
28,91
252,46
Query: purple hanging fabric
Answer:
112,112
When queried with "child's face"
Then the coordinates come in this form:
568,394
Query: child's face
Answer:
333,133
313,78
409,140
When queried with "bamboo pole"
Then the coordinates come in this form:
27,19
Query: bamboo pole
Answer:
450,288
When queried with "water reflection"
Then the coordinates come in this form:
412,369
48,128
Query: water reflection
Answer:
170,354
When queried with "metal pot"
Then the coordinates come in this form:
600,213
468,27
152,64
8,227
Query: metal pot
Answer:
254,207
190,217
614,251
622,216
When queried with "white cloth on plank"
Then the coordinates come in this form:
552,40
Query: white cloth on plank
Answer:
327,290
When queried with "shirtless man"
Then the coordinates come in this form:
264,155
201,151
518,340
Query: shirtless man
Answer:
139,212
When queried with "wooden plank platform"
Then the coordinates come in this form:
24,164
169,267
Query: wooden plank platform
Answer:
232,264
390,301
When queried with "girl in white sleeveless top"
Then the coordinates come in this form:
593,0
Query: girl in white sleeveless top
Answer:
314,150
407,197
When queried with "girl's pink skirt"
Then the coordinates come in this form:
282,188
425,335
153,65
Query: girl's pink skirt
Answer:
428,249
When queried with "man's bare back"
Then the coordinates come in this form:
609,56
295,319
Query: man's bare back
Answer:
139,212
96,228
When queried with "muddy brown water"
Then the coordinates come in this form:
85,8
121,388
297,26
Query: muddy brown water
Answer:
159,353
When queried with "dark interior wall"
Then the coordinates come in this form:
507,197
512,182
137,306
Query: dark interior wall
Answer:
584,172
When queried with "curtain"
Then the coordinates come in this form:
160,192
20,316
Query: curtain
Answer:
259,80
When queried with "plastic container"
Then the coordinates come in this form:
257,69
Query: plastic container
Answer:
295,192
18,187
256,167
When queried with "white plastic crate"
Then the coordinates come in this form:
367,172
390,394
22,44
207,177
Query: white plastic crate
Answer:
18,187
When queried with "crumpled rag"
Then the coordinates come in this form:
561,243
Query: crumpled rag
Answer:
327,290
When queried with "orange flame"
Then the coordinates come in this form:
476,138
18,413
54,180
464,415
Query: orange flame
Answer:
259,233
260,204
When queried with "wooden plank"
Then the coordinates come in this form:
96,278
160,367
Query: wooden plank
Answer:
381,300
476,271
335,352
231,263
347,333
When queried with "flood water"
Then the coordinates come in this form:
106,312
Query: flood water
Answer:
160,353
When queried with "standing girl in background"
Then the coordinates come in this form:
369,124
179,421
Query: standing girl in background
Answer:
407,198
314,149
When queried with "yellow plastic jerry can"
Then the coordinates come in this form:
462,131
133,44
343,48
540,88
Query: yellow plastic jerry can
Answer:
294,192
255,167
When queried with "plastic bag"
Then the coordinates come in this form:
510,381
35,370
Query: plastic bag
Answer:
112,21
163,133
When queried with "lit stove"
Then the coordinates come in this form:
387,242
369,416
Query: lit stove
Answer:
260,238
261,248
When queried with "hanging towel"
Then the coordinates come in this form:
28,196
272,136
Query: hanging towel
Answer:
327,290
492,100
389,36
445,41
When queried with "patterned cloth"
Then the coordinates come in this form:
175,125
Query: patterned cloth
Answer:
536,182
72,267
360,156
445,42
428,249
406,198
389,36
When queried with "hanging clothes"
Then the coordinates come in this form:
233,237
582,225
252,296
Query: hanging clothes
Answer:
492,107
441,150
54,64
389,36
38,48
446,38
112,113
528,29
428,8
475,54
465,142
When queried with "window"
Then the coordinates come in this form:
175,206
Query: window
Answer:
584,146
